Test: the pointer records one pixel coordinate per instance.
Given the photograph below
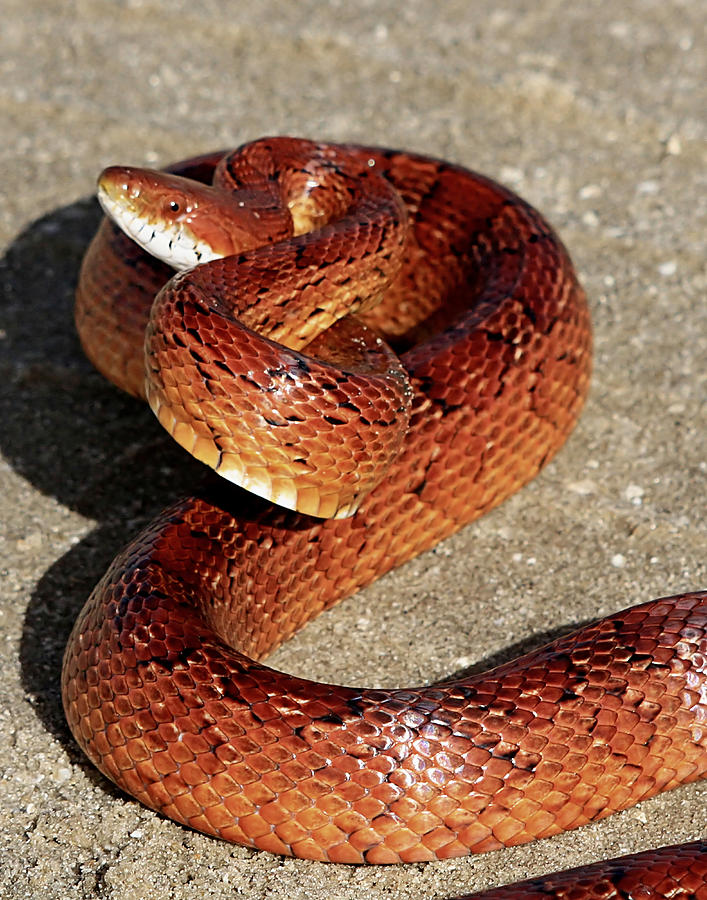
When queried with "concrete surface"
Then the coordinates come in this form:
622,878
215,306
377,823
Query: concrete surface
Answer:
592,111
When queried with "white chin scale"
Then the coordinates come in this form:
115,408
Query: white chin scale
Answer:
175,245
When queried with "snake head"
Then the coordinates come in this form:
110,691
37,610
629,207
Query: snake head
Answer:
180,221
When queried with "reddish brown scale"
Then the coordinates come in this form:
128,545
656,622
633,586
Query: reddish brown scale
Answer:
679,873
161,686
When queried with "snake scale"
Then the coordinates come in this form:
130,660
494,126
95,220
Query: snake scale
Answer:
271,361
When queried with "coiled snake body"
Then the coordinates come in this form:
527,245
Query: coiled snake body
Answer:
256,365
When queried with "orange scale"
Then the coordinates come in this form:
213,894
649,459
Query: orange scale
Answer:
567,781
168,731
138,700
238,806
241,773
559,739
217,820
102,671
192,773
515,734
477,757
314,788
627,719
206,796
185,685
364,838
424,822
486,787
344,853
313,819
593,693
114,734
309,849
437,776
275,813
385,793
134,782
101,745
604,733
364,780
687,770
117,670
110,767
382,855
174,785
164,762
196,743
211,764
521,779
478,838
154,690
156,795
540,824
348,764
278,753
255,828
401,839
291,831
97,722
217,710
569,815
510,832
509,797
154,742
622,743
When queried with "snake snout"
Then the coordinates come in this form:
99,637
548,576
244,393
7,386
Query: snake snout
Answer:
117,184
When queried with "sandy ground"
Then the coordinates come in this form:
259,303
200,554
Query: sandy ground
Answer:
593,112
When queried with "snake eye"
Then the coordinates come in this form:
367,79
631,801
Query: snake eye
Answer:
174,206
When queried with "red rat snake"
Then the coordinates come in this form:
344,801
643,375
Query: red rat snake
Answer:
255,363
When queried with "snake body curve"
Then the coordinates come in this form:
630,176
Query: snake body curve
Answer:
162,684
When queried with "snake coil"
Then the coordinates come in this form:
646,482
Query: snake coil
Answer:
267,363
